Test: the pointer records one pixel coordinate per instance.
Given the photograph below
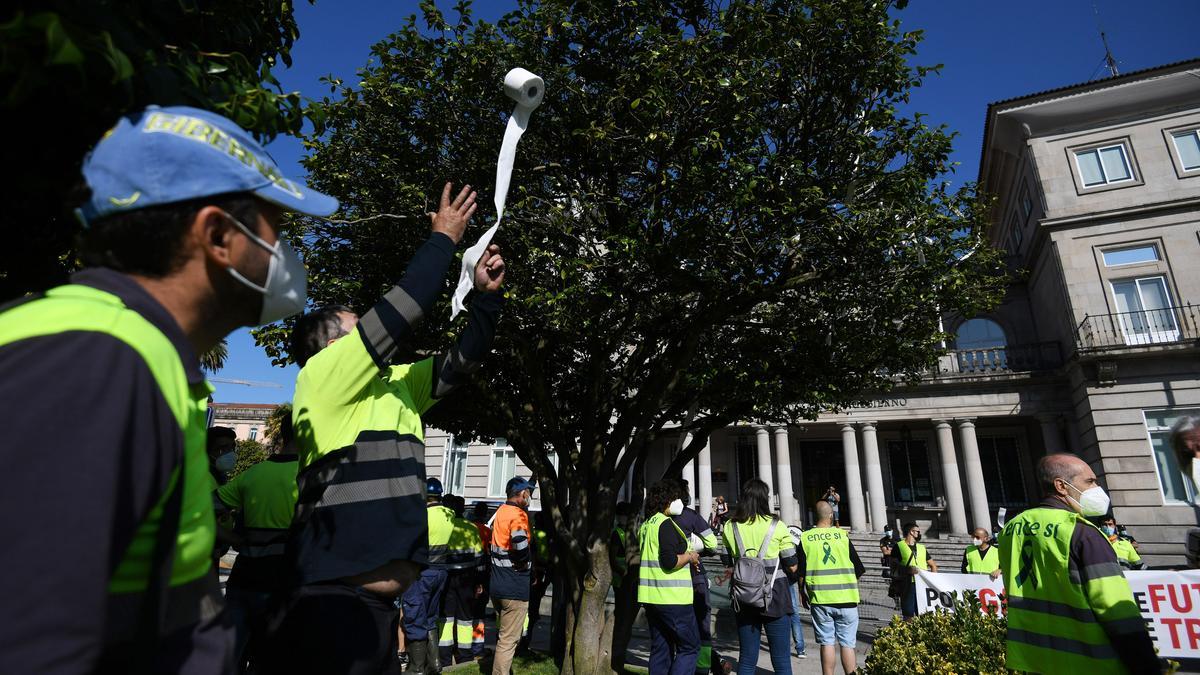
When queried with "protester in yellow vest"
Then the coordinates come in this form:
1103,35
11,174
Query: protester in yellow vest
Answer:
829,572
665,584
108,497
464,563
1124,546
1070,609
981,557
911,557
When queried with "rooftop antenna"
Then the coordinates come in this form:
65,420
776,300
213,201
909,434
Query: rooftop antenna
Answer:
1109,61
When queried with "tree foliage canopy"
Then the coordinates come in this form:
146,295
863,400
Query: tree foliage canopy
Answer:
70,68
719,213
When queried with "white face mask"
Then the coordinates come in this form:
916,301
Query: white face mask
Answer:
675,508
226,462
287,281
1092,501
977,542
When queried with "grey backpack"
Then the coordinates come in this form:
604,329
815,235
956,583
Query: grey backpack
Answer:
751,587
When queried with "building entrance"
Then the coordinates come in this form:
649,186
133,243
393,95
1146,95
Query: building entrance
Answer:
822,465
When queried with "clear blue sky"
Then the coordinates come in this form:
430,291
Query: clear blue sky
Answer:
990,51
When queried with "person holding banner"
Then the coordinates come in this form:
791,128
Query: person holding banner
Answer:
1070,608
981,557
912,557
829,571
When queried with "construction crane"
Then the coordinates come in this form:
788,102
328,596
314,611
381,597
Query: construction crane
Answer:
246,383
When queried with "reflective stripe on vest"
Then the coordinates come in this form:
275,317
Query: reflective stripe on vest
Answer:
82,308
657,586
1052,625
829,572
986,564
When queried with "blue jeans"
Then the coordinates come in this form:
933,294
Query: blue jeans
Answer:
750,630
908,601
674,639
797,624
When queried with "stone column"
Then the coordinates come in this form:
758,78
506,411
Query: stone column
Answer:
783,468
704,479
689,469
953,484
763,438
980,515
874,477
1050,434
852,492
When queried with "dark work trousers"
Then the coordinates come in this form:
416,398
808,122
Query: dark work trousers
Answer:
456,618
422,602
674,639
709,660
331,628
479,617
537,591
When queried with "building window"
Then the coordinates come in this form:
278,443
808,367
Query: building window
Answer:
1002,476
1103,165
454,473
1187,146
1130,255
254,433
1170,476
1026,201
1144,314
980,345
504,467
911,481
1016,234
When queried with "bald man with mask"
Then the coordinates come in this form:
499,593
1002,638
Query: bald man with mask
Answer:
1070,609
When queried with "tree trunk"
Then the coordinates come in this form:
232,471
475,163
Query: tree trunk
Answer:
589,646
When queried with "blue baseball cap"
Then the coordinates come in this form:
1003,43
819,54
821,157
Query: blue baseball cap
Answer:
517,483
164,155
433,487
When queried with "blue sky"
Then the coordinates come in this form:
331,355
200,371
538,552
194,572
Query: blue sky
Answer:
990,51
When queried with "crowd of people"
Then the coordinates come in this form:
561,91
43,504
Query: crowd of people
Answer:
348,554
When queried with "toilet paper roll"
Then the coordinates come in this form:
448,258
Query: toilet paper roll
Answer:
527,90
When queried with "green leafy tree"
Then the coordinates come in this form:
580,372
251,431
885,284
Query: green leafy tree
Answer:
249,453
718,213
274,422
70,68
214,359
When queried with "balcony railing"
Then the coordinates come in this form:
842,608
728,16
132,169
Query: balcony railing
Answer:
1169,325
1008,359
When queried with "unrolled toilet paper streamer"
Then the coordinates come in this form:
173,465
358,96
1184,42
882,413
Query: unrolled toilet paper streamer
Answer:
526,89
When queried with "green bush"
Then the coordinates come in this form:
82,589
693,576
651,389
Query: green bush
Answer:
249,453
963,641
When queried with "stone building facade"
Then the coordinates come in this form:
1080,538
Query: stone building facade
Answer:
248,420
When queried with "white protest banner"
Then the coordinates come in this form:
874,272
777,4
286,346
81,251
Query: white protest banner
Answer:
937,591
527,90
1169,602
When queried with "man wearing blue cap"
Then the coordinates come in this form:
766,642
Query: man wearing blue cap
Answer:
103,401
511,565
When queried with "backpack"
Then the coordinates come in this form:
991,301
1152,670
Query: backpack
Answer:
751,587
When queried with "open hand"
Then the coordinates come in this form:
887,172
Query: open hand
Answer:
452,216
489,271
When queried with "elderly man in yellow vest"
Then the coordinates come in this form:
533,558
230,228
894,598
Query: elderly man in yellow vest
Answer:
981,557
1070,609
829,571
